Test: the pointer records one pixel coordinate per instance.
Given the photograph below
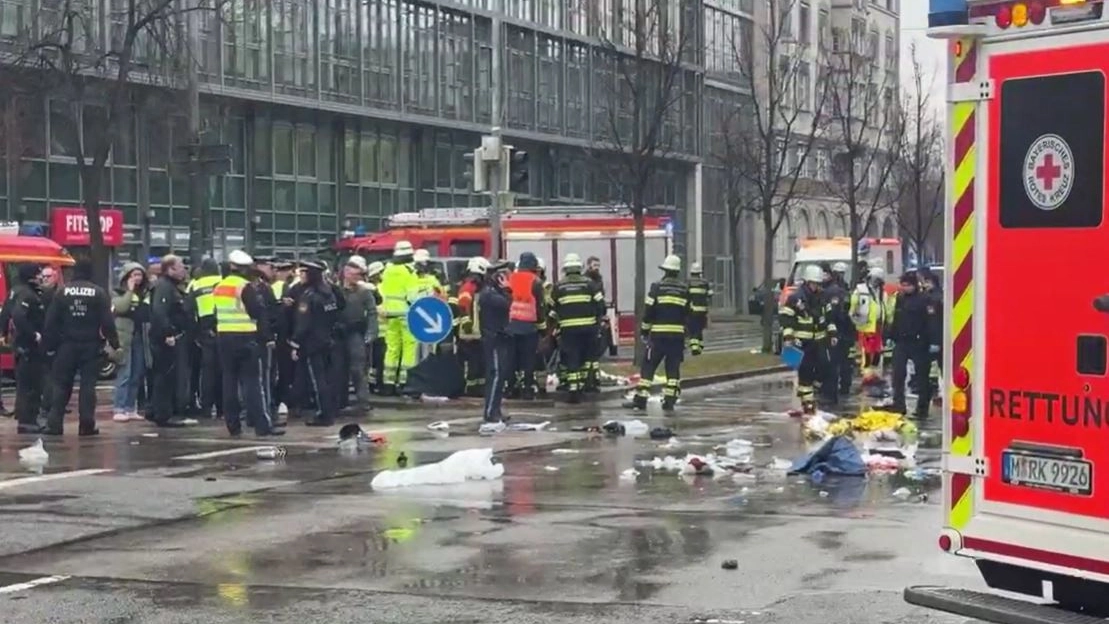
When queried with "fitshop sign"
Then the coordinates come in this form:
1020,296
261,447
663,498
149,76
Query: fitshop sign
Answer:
70,226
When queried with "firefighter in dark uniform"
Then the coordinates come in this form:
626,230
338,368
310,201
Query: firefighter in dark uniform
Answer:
469,331
806,325
77,324
169,323
244,333
700,294
664,325
576,311
837,380
604,333
317,310
930,286
210,379
28,318
911,328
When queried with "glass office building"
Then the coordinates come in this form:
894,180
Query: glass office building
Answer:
342,112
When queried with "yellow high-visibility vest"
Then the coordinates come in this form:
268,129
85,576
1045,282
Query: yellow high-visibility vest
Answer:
205,305
231,315
278,289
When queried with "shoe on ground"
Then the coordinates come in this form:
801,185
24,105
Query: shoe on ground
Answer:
88,431
491,427
319,422
30,429
173,423
121,417
275,433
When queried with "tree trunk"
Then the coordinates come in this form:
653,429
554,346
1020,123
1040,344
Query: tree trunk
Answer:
98,253
640,277
853,228
767,276
739,292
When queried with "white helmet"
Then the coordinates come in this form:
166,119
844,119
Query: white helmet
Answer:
812,273
671,263
402,248
695,268
421,255
541,262
877,273
478,265
358,262
571,261
240,258
839,267
375,268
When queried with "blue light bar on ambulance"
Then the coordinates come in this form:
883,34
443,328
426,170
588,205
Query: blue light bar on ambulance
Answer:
947,13
1020,13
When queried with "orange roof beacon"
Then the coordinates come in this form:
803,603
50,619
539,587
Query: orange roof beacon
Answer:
1026,385
550,232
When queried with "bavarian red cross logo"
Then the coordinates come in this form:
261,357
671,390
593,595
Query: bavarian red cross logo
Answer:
1048,172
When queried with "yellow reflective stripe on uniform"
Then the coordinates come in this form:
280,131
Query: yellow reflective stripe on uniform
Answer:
577,322
673,300
568,299
667,329
231,316
205,304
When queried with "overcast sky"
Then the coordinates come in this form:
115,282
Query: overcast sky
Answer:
914,21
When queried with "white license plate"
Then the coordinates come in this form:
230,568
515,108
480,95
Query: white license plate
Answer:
1062,474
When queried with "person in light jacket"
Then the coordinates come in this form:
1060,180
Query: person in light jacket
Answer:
131,309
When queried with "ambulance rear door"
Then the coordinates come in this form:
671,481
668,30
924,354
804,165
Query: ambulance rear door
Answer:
1040,395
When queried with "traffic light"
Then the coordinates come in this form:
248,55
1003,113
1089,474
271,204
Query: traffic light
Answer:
475,170
518,171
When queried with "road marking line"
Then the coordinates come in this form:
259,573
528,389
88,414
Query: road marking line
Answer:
46,580
11,483
223,453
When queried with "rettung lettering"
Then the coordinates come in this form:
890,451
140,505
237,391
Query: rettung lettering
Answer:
1051,407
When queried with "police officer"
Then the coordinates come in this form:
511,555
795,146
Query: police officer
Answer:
469,330
350,358
663,327
492,312
700,294
243,333
209,377
577,309
806,325
283,358
48,285
837,379
312,341
169,324
28,318
77,324
911,328
262,277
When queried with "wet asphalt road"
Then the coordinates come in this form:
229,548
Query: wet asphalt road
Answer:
188,526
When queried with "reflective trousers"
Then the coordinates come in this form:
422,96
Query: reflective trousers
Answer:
400,352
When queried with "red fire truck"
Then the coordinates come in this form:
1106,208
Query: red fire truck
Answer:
550,232
1026,471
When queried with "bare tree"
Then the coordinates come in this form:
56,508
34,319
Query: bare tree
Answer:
920,170
863,126
767,142
95,77
642,73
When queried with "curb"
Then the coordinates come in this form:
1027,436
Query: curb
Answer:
709,380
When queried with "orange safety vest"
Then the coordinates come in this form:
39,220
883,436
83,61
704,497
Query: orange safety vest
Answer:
524,306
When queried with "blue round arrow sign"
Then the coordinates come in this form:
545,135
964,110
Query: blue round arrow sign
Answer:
430,320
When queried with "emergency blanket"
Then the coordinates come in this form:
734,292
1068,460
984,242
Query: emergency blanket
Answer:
836,456
438,375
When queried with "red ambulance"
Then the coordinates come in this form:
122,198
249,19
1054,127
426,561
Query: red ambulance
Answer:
1026,466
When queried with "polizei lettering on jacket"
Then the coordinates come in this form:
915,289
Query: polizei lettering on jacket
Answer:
80,291
1051,407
